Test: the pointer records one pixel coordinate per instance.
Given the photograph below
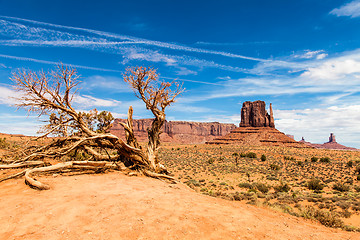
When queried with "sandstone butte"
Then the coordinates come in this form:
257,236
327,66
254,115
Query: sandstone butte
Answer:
257,128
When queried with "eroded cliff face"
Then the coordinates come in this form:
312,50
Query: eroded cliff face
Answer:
177,131
253,114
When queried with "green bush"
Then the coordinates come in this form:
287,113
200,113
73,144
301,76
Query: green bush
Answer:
314,159
251,155
245,185
263,158
283,187
262,187
341,187
274,167
325,159
315,184
4,144
329,219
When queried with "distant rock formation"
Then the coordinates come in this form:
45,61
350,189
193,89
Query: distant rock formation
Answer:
332,138
257,127
176,131
253,114
331,144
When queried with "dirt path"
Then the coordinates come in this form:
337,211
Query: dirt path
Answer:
114,206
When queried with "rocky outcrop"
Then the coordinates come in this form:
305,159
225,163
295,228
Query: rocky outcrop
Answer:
331,144
332,138
253,114
257,128
261,136
177,131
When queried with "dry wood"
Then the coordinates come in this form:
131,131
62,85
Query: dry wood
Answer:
22,164
19,174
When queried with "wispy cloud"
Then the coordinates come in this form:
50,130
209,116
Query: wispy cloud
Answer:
23,32
351,9
7,95
335,76
234,43
54,63
86,101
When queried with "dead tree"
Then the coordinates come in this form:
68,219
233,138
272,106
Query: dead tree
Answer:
52,94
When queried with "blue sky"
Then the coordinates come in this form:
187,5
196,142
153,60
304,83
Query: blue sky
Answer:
302,56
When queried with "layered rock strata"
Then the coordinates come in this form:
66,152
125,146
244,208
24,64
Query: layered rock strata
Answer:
254,114
257,127
177,131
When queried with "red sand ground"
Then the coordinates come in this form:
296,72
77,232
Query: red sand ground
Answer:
115,206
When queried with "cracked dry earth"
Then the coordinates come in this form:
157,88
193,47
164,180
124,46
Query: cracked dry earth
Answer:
116,206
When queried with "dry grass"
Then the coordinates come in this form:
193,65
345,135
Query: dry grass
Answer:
287,179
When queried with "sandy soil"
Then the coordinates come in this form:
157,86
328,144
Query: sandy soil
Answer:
115,206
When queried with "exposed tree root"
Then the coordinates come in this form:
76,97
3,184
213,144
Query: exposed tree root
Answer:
23,164
19,174
159,176
80,165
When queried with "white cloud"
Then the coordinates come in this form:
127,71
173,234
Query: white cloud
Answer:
185,71
316,124
334,69
308,54
7,96
351,9
86,101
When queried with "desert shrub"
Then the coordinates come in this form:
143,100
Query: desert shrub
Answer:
288,158
274,167
262,187
193,182
314,184
325,159
263,158
341,187
251,155
300,163
237,196
329,219
271,178
235,154
357,170
79,155
283,187
350,163
314,159
357,188
242,155
245,185
4,143
358,177
211,161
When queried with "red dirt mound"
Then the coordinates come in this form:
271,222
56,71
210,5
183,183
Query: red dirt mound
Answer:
115,206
